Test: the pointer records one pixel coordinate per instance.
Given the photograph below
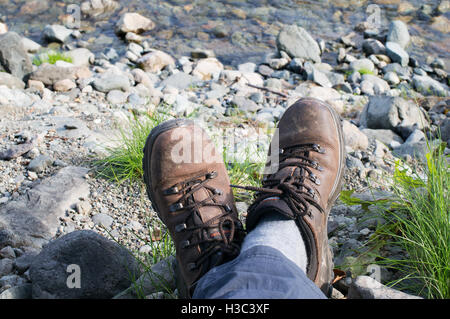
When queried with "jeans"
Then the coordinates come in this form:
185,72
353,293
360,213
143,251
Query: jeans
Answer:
261,272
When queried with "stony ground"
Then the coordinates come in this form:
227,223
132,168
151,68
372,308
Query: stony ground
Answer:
54,126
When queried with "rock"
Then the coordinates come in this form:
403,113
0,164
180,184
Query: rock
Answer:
373,85
109,81
33,219
354,137
392,78
416,136
160,277
384,112
13,57
11,81
49,74
7,252
103,220
373,46
415,150
18,292
3,28
384,136
17,150
398,33
155,61
428,86
6,266
133,22
402,72
56,33
40,163
95,8
64,85
444,128
116,97
180,81
298,43
81,57
397,53
105,268
30,46
22,264
245,104
365,287
207,69
11,281
362,64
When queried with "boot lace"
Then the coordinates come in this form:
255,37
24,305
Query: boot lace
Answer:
225,242
293,189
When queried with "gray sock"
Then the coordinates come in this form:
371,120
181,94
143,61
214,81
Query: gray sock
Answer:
281,233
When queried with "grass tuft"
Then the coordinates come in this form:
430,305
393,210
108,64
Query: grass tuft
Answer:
51,57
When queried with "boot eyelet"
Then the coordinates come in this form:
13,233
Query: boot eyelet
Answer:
317,181
218,191
171,191
211,175
281,151
227,208
177,206
184,244
191,266
180,227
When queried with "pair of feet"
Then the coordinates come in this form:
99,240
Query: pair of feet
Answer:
190,190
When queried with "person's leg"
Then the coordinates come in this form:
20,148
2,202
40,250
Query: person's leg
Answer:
272,264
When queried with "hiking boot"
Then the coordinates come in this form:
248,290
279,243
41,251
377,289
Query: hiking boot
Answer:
307,180
189,188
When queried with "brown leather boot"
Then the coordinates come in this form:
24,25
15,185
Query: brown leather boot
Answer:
307,180
189,188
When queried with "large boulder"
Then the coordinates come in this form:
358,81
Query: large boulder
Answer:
428,86
104,268
392,113
298,43
56,33
13,56
33,219
11,81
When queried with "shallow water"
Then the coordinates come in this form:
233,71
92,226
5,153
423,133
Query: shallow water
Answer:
237,30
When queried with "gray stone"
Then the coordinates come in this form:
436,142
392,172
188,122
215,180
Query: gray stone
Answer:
6,266
245,104
11,81
384,136
133,22
365,287
116,97
445,130
106,268
362,64
415,150
416,136
81,57
22,263
180,81
373,85
14,58
373,46
7,252
298,43
17,292
11,280
49,74
385,112
397,53
160,277
402,72
353,136
398,33
429,86
109,81
33,218
391,78
40,163
17,150
56,33
103,220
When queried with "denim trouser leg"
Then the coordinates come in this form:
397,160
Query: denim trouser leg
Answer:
261,272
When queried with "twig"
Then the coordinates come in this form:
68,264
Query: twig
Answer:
268,90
